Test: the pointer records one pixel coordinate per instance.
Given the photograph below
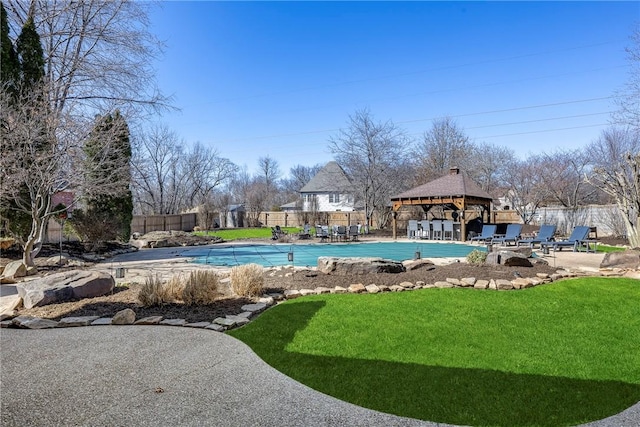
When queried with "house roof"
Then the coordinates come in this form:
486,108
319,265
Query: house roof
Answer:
330,179
455,184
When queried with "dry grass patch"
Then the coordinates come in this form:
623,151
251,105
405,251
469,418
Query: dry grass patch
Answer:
247,280
202,287
155,292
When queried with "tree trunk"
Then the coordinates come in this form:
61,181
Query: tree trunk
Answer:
633,233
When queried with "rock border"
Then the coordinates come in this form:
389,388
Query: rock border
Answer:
251,311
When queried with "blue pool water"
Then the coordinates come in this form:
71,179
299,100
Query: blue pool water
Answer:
269,255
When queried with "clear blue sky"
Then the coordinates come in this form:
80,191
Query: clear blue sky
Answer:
278,79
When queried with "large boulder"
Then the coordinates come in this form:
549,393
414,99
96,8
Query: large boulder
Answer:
15,269
348,266
508,258
629,259
65,286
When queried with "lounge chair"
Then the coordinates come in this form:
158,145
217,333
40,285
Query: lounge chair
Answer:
486,234
512,235
545,234
578,235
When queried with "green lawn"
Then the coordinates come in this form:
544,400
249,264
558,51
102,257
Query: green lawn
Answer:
559,354
246,233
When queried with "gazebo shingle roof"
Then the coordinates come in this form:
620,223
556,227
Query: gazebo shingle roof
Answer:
452,185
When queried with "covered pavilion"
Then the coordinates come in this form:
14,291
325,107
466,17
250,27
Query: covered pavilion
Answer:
455,191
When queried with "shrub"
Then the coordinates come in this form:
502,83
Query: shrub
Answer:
202,287
247,280
155,292
476,257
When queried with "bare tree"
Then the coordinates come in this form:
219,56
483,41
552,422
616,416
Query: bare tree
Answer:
373,154
526,191
269,173
563,172
32,172
157,175
443,146
97,54
628,98
487,164
616,171
204,171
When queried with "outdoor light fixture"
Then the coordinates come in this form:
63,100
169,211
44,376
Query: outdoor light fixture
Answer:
290,256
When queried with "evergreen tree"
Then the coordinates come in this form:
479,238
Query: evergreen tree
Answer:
29,50
108,154
9,65
24,75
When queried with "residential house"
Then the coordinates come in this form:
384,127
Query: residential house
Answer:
330,190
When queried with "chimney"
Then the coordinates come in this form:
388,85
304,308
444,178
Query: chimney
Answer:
454,171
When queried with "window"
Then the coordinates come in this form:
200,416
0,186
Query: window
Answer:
334,198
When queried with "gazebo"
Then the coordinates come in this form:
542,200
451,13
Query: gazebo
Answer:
455,191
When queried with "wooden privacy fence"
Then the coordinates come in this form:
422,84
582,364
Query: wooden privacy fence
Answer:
146,223
297,219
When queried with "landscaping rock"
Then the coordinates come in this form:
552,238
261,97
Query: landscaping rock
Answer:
629,259
201,325
339,290
38,323
443,284
481,284
150,320
454,282
253,308
69,322
173,322
238,320
305,292
349,266
14,270
124,317
215,327
223,321
103,321
468,281
372,289
322,290
503,285
292,294
513,259
406,285
418,263
65,286
396,288
356,288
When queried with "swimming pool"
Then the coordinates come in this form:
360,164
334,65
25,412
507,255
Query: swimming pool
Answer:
269,255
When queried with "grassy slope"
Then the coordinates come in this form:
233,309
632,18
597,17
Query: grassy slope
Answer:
560,354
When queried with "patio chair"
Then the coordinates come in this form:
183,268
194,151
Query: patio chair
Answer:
436,229
511,235
322,232
486,234
426,229
578,235
306,232
340,233
412,229
447,230
545,234
353,232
